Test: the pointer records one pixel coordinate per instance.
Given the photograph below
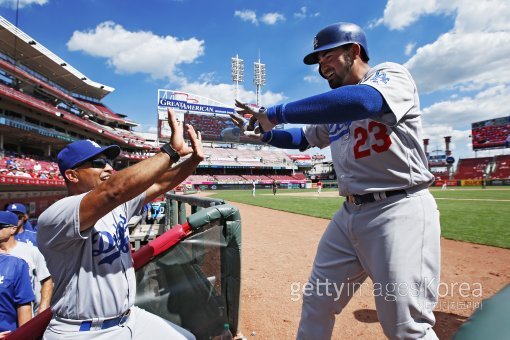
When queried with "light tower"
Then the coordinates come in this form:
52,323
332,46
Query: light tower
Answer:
259,79
237,73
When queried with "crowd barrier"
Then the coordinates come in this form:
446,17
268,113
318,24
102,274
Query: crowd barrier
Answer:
6,179
472,182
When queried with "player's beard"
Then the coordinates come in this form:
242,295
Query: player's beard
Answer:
341,76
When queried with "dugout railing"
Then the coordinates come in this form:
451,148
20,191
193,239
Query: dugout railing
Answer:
177,206
190,275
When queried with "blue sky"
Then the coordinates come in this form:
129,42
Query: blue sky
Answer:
457,51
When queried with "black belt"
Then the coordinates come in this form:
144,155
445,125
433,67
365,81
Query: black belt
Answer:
373,196
105,324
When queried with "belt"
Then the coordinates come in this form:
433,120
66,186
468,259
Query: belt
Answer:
106,323
373,196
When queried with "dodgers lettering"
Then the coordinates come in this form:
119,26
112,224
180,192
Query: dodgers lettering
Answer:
336,131
110,245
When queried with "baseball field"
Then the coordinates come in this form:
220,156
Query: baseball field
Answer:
280,236
469,214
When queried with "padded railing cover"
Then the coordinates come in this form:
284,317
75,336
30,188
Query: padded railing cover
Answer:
190,275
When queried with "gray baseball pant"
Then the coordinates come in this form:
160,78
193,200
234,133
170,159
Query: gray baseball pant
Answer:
395,242
140,325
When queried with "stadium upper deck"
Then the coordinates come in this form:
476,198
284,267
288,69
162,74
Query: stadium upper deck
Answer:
46,103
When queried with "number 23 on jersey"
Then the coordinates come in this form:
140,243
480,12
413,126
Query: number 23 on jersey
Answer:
364,145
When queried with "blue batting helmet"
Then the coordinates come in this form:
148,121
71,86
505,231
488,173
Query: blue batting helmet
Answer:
336,35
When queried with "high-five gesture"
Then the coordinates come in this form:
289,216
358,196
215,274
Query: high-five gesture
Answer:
177,138
256,115
242,123
195,138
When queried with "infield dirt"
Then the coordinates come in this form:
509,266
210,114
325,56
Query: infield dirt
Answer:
278,249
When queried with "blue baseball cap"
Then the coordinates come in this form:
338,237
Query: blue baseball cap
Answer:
80,151
17,208
7,217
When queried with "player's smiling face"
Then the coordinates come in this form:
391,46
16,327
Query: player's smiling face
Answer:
336,66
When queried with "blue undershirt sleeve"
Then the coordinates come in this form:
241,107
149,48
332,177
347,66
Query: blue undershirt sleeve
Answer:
293,138
346,103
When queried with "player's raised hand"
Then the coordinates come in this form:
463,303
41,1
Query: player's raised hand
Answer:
256,115
243,123
177,138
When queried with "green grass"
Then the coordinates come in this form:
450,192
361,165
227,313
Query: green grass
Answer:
469,214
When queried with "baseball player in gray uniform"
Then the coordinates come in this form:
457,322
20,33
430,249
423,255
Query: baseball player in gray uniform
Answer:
85,240
40,277
388,227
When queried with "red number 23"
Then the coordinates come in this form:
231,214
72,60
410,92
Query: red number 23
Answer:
379,131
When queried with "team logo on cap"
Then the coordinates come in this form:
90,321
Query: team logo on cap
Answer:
315,42
94,143
14,206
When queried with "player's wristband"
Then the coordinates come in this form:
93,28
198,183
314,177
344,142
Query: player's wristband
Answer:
270,114
267,136
167,148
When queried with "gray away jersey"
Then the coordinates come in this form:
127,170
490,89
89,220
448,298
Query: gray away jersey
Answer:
92,270
383,153
36,265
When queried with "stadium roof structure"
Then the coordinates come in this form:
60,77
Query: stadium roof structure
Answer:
24,50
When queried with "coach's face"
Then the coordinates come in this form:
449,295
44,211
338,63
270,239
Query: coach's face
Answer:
335,66
91,173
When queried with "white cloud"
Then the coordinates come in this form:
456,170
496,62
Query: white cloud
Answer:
22,3
267,18
472,57
470,16
141,51
399,14
462,112
314,77
247,15
301,14
454,117
225,93
409,48
272,18
464,61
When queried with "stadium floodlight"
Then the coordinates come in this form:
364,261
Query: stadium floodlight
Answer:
259,78
237,73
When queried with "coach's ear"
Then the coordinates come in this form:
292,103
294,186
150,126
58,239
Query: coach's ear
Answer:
70,175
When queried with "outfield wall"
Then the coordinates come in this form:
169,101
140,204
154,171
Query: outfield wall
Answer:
472,182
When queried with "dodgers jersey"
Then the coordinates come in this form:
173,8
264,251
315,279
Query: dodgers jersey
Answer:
92,270
15,290
380,153
37,268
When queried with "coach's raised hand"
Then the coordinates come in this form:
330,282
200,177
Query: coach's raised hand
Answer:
177,137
